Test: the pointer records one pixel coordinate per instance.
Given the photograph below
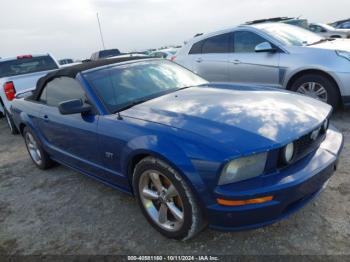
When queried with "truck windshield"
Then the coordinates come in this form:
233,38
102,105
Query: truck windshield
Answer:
26,65
123,86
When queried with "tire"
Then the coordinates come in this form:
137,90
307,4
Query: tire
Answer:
192,222
45,161
11,124
330,87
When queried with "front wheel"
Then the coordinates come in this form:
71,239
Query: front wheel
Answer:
166,200
318,87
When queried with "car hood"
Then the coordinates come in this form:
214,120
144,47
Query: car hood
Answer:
244,118
343,31
338,44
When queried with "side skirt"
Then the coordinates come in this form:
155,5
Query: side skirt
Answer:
108,183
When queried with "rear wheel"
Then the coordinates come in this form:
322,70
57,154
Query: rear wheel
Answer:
166,200
10,123
318,87
40,158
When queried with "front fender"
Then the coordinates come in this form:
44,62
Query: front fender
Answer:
336,77
172,153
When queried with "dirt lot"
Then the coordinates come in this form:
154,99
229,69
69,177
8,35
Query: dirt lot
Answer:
62,212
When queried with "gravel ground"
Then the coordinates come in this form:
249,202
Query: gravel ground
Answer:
62,212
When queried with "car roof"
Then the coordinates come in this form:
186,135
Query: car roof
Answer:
257,26
16,57
203,36
72,71
272,19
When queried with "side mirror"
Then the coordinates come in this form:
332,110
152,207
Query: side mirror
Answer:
264,47
74,106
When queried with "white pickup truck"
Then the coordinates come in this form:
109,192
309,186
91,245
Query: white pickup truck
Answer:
20,74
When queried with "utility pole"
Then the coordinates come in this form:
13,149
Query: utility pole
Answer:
99,26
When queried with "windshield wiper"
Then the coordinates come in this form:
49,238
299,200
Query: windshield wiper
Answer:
132,104
181,88
321,41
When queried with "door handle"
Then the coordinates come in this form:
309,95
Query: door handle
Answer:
46,118
236,61
199,60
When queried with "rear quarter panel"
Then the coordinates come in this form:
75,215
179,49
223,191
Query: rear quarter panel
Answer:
25,112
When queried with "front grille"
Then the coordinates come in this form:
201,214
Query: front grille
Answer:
304,145
308,143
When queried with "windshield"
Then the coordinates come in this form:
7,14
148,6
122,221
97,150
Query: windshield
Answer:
290,35
122,86
26,65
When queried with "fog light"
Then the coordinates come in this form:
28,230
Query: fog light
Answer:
259,200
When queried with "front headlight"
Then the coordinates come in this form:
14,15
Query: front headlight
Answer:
344,54
243,168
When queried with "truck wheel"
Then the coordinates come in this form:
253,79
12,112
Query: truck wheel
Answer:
166,200
319,87
40,158
11,124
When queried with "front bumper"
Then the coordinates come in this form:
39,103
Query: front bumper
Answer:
292,188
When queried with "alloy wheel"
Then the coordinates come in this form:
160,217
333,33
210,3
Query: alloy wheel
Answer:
314,90
33,148
161,200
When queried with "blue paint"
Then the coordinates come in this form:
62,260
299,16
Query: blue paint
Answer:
197,131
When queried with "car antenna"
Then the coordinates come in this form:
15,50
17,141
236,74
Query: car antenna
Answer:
119,116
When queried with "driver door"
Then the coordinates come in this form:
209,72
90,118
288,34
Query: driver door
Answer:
249,67
71,139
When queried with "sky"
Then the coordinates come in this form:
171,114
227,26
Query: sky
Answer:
69,28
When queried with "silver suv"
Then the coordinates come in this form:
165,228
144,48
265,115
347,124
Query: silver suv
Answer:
276,55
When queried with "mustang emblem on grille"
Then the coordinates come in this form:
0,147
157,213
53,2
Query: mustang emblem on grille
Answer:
315,134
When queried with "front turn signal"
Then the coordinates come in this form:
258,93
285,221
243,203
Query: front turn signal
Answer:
258,200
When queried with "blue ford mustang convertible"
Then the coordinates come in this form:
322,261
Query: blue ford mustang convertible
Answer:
191,152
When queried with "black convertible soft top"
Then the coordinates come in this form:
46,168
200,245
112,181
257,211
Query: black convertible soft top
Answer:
72,71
